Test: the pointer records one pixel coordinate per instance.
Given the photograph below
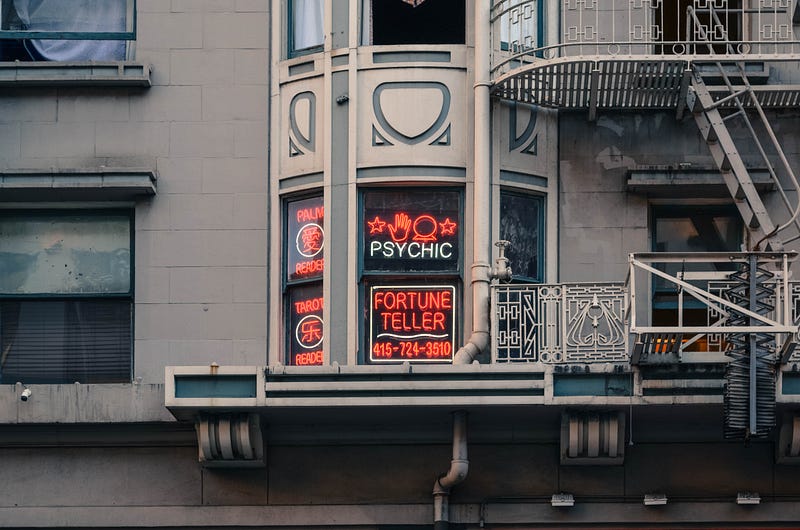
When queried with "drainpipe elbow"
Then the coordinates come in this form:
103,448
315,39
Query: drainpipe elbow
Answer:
476,344
455,475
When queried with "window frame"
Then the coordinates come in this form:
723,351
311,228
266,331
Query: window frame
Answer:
128,296
368,278
287,284
505,46
21,35
291,51
663,302
367,29
541,249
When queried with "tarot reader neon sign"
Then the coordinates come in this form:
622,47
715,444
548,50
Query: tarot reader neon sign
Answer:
411,323
407,240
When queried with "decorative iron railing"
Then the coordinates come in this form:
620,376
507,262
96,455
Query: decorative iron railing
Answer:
696,297
559,323
750,29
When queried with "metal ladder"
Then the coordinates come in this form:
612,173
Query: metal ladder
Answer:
707,112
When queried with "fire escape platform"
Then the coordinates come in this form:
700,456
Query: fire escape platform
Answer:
646,82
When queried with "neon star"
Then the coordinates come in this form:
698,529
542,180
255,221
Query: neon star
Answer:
448,227
376,225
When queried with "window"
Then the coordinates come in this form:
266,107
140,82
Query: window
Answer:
521,25
522,225
690,229
304,241
414,22
65,297
66,30
714,21
306,33
411,241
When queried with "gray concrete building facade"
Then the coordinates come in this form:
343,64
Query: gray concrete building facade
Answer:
399,264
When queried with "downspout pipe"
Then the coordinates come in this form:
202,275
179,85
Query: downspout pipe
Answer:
459,466
481,237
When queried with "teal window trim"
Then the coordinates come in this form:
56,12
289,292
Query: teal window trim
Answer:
129,35
542,235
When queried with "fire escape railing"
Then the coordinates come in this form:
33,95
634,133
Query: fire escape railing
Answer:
640,28
605,322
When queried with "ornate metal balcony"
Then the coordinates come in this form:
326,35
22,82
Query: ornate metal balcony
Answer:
692,307
559,323
636,54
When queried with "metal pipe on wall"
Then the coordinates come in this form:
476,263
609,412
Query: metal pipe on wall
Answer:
482,203
459,466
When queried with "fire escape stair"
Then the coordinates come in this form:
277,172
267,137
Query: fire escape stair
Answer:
725,154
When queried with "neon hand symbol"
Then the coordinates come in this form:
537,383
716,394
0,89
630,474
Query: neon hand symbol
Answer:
399,230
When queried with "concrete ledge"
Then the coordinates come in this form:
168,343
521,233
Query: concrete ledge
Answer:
534,512
83,403
76,184
90,73
689,182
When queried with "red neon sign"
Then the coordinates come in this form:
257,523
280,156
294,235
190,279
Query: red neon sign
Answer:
306,325
305,239
412,323
411,231
424,227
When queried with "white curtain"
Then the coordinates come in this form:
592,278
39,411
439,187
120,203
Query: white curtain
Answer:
75,15
307,24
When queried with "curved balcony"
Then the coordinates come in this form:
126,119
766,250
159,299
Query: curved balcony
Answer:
640,54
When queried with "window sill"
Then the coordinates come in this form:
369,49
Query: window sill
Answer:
76,184
90,73
704,183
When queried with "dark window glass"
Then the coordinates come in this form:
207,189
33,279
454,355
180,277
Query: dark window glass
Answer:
522,224
411,231
418,22
691,229
714,22
64,341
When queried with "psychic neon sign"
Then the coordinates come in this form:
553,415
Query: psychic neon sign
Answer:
411,323
408,239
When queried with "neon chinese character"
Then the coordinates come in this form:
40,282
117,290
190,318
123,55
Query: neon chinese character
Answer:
310,239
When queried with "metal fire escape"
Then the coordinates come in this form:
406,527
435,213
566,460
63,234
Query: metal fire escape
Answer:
693,56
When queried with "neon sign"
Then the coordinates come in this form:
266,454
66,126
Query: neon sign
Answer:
306,239
411,323
411,231
306,325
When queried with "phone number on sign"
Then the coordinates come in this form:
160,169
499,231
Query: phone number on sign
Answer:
412,350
